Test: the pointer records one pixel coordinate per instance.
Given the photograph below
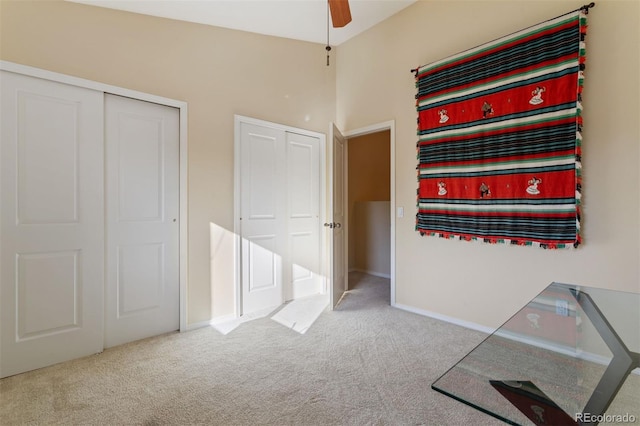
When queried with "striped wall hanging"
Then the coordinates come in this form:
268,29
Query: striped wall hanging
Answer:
499,138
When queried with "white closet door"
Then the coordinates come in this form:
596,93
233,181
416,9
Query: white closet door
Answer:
52,223
142,157
279,193
303,216
262,216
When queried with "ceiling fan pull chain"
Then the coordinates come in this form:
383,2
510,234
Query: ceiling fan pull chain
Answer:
328,48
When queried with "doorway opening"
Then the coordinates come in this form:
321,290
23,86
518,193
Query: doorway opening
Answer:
371,204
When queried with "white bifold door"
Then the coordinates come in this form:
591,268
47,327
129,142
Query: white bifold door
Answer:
77,207
279,220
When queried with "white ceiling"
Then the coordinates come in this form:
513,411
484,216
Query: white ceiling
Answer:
297,19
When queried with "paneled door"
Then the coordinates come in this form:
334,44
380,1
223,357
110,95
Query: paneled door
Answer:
52,223
262,216
280,203
302,265
142,184
339,276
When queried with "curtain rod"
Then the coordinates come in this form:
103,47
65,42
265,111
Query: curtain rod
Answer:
585,8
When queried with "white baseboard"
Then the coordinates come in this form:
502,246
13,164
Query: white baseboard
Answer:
445,318
562,349
587,356
212,322
222,319
197,325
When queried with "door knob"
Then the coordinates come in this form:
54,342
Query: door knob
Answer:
333,225
330,225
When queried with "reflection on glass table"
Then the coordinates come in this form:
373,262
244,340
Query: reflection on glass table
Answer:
569,357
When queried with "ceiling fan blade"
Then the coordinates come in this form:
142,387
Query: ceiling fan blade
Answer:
340,12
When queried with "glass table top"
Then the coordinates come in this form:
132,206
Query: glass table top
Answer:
569,357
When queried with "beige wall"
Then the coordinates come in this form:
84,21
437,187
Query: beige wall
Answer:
369,169
477,282
218,72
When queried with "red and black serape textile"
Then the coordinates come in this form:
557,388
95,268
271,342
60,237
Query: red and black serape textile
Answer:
499,130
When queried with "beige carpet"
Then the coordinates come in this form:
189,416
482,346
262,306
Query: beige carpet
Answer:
365,363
